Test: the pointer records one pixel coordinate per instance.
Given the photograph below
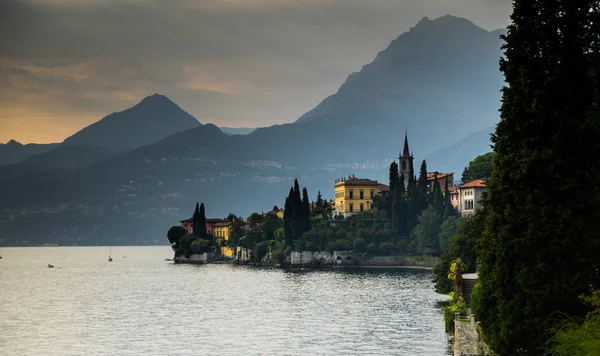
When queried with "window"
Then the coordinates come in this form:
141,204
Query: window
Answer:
468,204
372,193
362,207
351,207
362,194
351,194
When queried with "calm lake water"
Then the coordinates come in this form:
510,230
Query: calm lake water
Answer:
140,305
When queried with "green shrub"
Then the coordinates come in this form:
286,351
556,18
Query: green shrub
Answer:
387,248
454,307
359,245
200,245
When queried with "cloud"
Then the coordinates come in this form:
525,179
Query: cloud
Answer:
232,62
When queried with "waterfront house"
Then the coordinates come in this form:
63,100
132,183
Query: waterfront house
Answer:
470,195
219,228
354,195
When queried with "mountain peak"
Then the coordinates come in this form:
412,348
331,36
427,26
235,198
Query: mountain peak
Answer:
14,142
444,23
152,119
156,99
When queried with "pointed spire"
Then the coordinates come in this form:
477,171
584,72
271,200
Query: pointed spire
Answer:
406,151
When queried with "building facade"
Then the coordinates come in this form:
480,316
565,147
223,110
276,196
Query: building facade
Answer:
442,178
354,195
221,231
469,196
219,228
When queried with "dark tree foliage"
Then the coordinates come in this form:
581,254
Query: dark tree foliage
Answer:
296,217
174,234
414,206
320,200
393,175
540,253
305,216
399,207
411,172
466,177
201,223
288,212
449,210
423,179
196,221
481,167
438,198
460,245
298,208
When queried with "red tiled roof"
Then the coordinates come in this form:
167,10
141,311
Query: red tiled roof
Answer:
476,183
431,175
453,190
223,223
383,188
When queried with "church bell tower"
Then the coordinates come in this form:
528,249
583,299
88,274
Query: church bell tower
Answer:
405,162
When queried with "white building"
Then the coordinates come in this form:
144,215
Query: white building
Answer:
468,197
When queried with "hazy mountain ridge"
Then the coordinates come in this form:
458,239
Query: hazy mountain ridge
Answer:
136,195
14,152
151,120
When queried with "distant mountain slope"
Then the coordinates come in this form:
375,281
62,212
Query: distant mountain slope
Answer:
60,158
440,81
151,120
14,152
237,130
457,156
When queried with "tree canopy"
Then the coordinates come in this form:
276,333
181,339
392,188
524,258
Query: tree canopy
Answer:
540,253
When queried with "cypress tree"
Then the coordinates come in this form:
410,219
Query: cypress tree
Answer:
438,198
538,255
423,178
399,208
414,206
465,176
305,211
297,212
448,207
202,222
319,200
411,180
393,175
196,221
287,218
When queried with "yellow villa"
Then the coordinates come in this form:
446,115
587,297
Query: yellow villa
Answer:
354,195
221,231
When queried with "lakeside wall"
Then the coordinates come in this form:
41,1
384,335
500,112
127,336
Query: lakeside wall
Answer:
316,259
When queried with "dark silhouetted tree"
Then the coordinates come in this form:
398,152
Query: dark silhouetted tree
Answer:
399,207
174,234
538,255
393,175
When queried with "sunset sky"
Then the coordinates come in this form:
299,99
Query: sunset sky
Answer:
65,64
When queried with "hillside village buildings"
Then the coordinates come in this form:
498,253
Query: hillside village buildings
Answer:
355,195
